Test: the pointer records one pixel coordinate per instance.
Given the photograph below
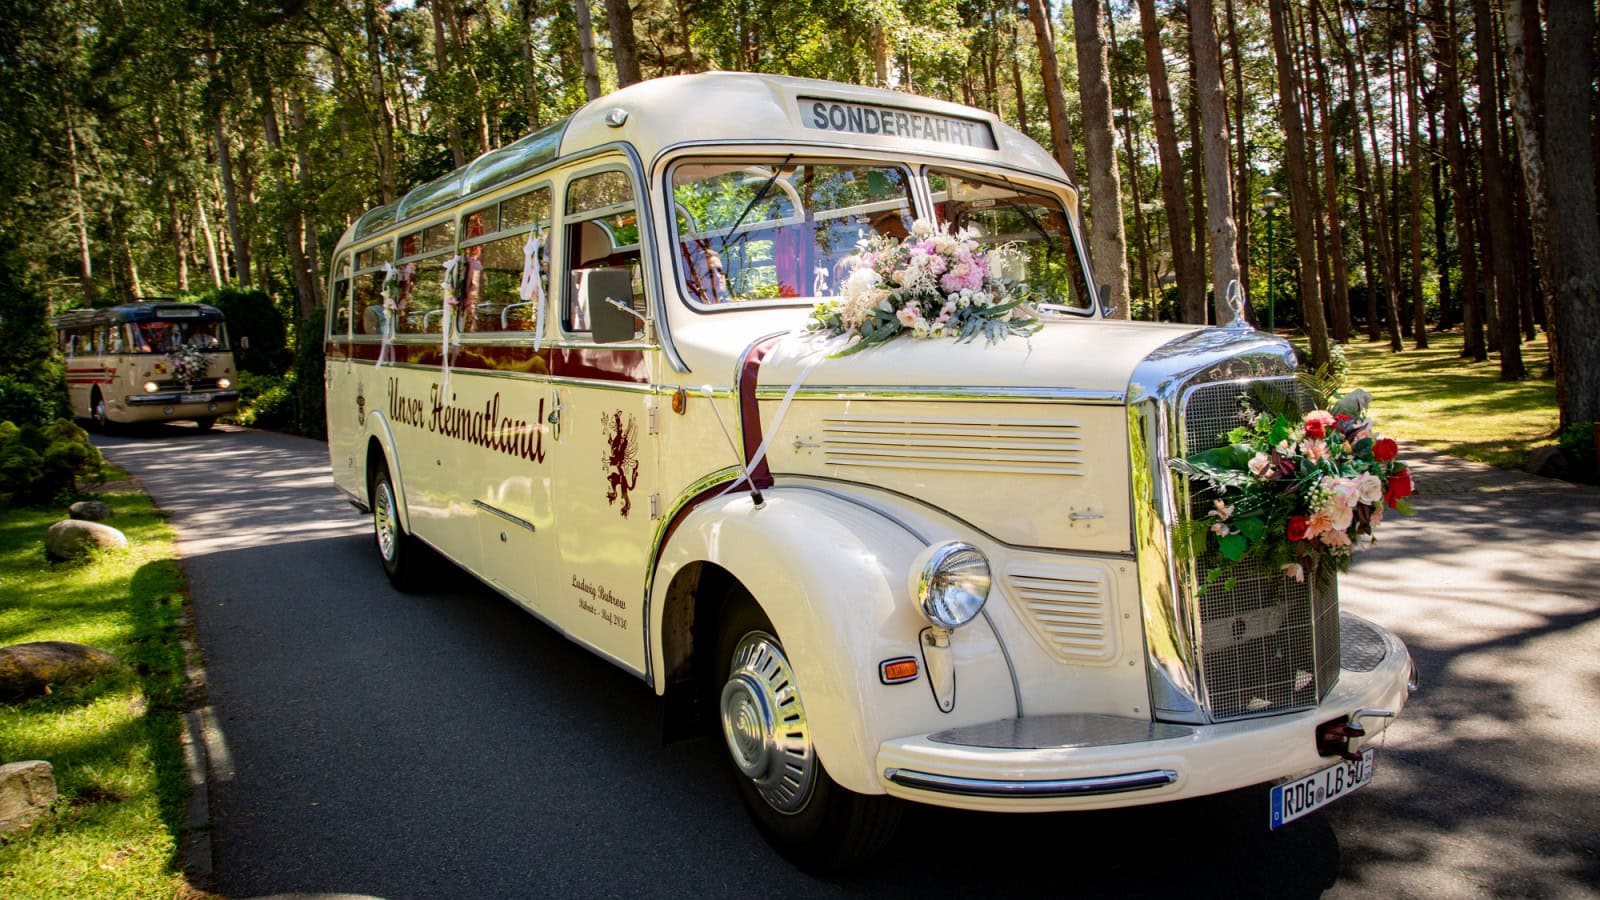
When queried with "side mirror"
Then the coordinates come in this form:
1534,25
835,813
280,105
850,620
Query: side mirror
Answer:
608,296
1106,309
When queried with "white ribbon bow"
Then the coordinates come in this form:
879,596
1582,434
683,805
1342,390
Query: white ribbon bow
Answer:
532,288
446,327
391,307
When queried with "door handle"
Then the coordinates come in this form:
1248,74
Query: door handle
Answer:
554,418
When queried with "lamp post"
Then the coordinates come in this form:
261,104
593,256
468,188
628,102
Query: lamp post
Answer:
1269,202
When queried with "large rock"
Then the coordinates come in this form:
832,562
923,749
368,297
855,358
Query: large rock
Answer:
26,669
90,510
70,537
26,791
1548,461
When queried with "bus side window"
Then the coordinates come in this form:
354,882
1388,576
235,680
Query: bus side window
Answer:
494,267
602,232
340,323
368,303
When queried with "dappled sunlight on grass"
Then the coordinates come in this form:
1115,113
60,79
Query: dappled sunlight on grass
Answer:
1435,398
113,743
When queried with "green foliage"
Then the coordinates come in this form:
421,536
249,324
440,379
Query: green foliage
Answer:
266,401
1577,442
114,743
310,406
41,463
25,404
253,318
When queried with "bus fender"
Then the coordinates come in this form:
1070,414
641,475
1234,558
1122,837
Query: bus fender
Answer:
833,577
379,432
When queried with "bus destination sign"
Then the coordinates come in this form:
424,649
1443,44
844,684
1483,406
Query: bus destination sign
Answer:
863,118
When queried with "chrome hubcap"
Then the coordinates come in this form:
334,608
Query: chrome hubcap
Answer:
383,519
764,724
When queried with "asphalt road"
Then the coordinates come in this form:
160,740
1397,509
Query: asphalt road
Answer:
449,745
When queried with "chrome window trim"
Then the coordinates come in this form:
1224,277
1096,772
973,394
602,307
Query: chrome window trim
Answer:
1057,787
942,392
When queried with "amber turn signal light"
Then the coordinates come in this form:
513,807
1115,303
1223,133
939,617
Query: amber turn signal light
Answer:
895,671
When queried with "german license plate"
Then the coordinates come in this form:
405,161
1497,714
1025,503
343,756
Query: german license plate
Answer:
1309,793
194,398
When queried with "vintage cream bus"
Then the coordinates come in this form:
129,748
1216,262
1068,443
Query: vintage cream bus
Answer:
936,571
148,362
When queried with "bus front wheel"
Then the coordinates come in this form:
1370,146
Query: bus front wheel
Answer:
398,550
97,413
799,808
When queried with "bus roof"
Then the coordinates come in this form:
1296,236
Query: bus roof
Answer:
742,107
151,311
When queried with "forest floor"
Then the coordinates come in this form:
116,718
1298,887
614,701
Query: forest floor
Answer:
114,744
1435,398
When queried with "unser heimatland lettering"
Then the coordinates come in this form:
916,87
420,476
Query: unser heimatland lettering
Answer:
482,427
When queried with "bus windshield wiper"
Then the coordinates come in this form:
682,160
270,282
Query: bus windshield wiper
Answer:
760,195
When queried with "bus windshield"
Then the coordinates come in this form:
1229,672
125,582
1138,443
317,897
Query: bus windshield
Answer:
769,230
167,336
1032,221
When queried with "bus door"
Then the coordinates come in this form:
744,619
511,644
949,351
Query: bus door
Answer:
502,377
605,450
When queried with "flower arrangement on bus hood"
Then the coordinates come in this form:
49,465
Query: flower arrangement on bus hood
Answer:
934,283
187,364
1292,492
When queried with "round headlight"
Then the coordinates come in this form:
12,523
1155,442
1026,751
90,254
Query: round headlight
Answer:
224,383
950,582
149,387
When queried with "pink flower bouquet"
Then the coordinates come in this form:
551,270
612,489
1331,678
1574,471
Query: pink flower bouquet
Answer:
933,284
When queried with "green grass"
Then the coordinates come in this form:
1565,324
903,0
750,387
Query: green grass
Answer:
114,744
1435,398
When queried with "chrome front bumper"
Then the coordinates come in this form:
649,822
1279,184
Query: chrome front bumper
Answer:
1048,763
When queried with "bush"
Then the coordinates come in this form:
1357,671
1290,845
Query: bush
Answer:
310,406
252,314
1577,443
266,401
23,404
39,464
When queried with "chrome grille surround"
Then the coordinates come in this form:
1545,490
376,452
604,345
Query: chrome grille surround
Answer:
1172,616
1268,643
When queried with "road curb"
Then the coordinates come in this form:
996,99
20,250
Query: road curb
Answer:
195,851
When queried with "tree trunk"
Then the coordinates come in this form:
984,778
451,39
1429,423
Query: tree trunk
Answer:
85,259
880,56
1496,198
1016,80
1186,263
1134,152
591,70
241,251
1339,299
1419,319
1448,55
210,240
380,100
1197,190
441,71
1241,153
293,235
1525,50
1224,232
530,63
1441,253
1299,186
1304,68
1574,237
624,49
1055,102
308,222
1107,242
1380,202
1365,198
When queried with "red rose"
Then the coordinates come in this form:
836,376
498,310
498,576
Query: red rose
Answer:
1386,449
1314,429
1399,487
1297,528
